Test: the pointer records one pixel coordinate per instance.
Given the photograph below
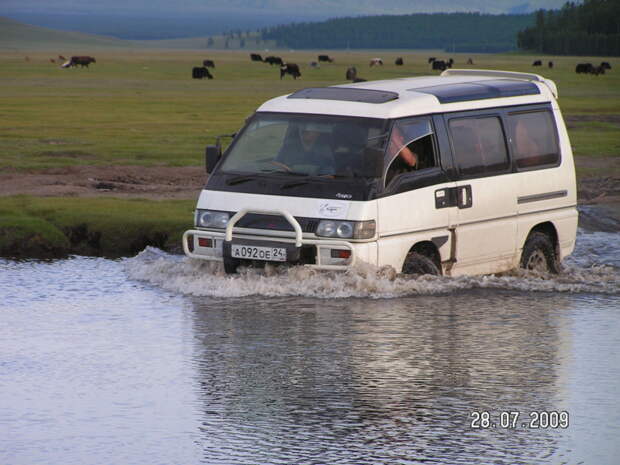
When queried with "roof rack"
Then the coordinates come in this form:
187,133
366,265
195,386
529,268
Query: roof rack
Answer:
503,74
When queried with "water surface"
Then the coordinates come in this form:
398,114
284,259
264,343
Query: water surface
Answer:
160,360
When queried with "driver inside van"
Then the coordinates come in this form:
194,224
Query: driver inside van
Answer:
308,144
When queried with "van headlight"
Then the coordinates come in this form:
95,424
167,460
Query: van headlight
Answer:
346,229
211,219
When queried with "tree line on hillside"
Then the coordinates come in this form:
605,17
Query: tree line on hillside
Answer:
591,28
453,32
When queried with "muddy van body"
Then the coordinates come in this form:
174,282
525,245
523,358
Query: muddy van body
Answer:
318,178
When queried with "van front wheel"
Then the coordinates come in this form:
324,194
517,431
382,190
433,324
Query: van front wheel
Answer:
416,263
230,265
539,254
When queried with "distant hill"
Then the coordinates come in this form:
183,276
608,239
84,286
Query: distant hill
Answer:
163,19
454,32
18,36
592,28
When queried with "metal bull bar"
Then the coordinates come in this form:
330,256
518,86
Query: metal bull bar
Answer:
227,236
241,213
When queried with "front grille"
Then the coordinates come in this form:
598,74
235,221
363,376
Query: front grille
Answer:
276,223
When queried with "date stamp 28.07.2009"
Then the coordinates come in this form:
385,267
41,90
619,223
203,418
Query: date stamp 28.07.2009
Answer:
536,419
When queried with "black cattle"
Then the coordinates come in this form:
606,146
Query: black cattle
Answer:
551,64
208,64
537,63
376,61
81,60
256,57
431,59
351,73
201,73
584,68
449,63
440,65
605,65
274,60
325,58
290,68
470,62
399,61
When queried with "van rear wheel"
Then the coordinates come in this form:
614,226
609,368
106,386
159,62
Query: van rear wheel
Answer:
416,263
539,254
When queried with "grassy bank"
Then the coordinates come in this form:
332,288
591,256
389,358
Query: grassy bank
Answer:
54,227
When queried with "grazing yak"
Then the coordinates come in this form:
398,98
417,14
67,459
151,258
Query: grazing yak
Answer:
255,57
208,64
537,63
351,73
325,58
399,61
201,72
585,68
290,68
376,61
81,60
440,65
274,60
605,65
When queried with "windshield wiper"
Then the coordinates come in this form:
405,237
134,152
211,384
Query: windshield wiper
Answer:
292,173
239,179
309,179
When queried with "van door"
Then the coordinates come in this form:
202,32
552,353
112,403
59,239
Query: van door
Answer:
486,210
415,204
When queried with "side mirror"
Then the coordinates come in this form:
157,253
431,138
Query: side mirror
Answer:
213,153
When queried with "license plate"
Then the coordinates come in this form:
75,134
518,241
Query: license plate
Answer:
251,252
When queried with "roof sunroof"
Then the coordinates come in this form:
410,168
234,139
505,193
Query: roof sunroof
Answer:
346,94
467,91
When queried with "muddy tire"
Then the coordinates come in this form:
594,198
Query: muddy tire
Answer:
539,254
230,265
416,263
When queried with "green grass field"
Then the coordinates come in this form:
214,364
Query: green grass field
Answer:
142,107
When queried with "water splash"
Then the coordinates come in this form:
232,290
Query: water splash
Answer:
582,274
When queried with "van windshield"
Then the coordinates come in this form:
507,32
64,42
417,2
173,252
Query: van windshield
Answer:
309,145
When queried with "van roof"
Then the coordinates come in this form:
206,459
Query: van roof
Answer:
453,90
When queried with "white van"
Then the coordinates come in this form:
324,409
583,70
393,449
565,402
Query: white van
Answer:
469,172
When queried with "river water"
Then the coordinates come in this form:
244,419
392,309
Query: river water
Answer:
158,360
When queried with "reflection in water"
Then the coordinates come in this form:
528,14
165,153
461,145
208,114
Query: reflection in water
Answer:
287,380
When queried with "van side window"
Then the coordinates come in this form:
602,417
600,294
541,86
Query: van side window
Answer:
479,145
410,148
533,139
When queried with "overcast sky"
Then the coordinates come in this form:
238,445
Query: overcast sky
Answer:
303,7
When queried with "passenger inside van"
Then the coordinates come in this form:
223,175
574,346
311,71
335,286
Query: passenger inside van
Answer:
410,148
